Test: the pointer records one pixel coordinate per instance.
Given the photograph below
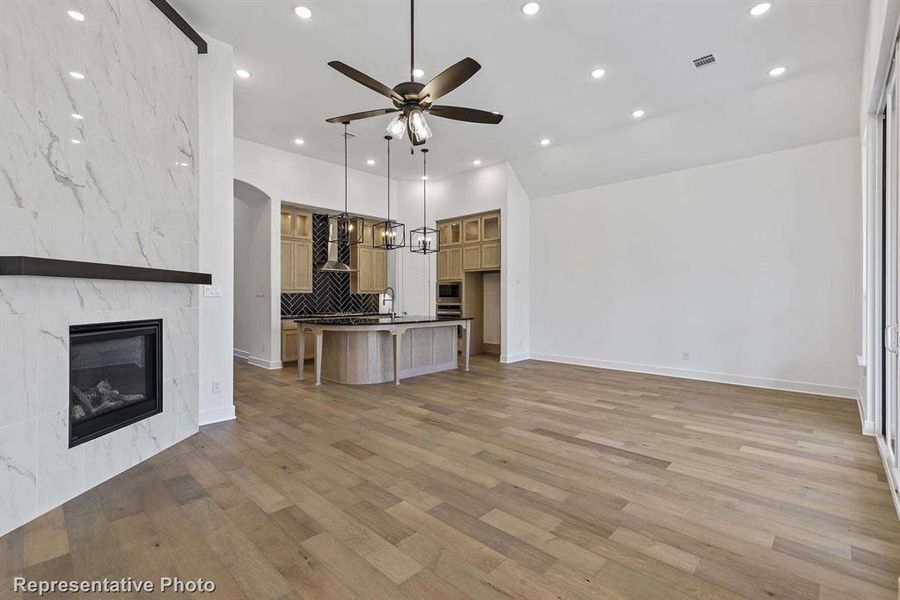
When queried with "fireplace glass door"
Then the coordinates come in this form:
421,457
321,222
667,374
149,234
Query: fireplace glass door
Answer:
115,376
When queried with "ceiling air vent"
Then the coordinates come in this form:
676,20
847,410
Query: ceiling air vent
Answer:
704,61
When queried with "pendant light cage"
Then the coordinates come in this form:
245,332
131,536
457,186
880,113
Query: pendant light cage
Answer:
389,234
424,239
345,227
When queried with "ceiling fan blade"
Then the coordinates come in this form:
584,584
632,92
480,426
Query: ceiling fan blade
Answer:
362,115
471,115
362,78
449,79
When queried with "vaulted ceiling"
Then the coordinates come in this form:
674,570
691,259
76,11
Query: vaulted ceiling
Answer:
536,71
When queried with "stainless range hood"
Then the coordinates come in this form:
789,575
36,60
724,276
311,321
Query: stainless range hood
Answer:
333,265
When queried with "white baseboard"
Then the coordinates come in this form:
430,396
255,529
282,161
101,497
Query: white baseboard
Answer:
512,358
242,354
265,364
868,427
892,480
786,385
217,414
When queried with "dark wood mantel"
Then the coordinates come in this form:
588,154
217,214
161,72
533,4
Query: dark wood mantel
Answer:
51,267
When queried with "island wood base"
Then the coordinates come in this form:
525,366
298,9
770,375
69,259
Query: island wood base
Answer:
367,354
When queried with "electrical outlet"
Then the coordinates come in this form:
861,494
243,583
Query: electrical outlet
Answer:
216,387
685,356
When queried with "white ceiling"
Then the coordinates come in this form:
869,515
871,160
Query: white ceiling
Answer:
535,70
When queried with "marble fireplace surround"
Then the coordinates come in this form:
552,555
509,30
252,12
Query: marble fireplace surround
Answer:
125,197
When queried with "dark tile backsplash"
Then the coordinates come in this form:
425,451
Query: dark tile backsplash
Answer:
331,291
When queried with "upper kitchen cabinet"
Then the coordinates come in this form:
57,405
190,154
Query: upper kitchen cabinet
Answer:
476,247
296,223
490,227
450,233
370,264
296,250
471,230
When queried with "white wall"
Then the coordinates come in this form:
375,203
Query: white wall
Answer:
750,266
253,287
216,231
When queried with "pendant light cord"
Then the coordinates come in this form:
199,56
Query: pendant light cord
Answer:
388,138
424,186
346,167
412,37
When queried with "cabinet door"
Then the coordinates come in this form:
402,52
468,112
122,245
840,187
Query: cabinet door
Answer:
380,270
289,346
472,258
455,233
287,223
303,225
444,234
490,228
443,264
302,252
472,230
490,255
365,274
287,266
454,264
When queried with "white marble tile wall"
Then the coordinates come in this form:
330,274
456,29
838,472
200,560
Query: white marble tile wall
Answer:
118,185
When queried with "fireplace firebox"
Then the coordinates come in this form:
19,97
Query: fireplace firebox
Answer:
115,376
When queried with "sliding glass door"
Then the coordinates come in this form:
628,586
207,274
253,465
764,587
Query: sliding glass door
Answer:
890,280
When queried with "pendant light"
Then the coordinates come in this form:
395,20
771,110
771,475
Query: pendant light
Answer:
345,228
424,240
389,234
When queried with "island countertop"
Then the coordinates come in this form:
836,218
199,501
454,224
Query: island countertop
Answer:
367,349
377,320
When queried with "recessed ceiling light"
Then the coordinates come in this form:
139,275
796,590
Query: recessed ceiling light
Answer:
242,73
299,141
74,14
302,12
418,73
370,162
531,8
182,164
476,162
424,177
760,9
77,117
74,141
76,75
638,113
777,72
598,73
545,142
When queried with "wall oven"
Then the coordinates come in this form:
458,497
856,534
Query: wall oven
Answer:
448,293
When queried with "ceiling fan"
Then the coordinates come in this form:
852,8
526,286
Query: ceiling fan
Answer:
413,99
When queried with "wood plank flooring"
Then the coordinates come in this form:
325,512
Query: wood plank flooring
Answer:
530,481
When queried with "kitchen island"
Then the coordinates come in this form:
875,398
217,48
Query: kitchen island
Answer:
380,348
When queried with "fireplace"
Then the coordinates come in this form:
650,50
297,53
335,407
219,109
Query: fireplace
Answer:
115,376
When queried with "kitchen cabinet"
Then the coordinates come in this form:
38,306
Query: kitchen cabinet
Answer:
370,263
490,255
296,223
296,266
471,230
471,257
450,264
490,227
450,234
296,250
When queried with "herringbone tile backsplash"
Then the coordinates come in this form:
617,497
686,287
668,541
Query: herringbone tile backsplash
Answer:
331,291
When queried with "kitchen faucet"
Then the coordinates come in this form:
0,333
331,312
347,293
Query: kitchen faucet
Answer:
389,297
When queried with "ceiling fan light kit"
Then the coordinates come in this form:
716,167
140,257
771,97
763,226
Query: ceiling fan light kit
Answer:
413,99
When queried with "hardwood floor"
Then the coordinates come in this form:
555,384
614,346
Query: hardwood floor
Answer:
531,480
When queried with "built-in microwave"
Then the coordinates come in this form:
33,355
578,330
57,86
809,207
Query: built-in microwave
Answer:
448,293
